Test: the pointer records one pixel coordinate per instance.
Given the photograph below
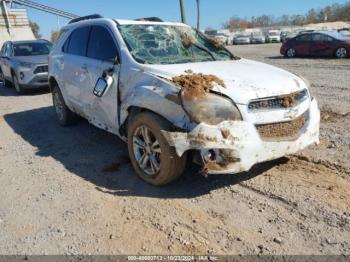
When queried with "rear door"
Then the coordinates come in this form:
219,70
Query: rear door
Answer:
101,53
75,73
321,45
302,45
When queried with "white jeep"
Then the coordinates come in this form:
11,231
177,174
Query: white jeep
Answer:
174,95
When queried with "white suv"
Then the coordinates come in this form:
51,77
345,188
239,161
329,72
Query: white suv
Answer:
173,95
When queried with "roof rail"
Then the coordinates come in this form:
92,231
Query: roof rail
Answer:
150,19
88,17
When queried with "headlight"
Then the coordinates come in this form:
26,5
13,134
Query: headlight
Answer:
211,109
307,83
26,64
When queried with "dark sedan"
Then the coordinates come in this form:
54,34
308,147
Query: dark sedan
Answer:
317,44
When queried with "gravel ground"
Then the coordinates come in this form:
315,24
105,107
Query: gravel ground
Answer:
73,191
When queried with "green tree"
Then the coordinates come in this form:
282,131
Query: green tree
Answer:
54,36
35,29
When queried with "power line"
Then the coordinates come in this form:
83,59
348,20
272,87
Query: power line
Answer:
44,8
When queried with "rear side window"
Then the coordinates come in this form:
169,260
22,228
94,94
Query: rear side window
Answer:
101,44
304,38
78,41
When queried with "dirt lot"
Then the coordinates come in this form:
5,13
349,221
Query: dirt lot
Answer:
73,190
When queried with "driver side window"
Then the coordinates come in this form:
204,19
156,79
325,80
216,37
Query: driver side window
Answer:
101,45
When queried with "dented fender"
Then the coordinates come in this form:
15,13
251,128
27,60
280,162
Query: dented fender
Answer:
157,99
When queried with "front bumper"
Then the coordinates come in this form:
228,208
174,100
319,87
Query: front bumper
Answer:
28,79
238,144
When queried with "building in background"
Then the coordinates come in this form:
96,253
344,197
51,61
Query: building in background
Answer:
14,24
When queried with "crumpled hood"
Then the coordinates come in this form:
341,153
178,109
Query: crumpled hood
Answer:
245,80
35,59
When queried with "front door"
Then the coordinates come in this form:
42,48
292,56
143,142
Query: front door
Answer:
101,55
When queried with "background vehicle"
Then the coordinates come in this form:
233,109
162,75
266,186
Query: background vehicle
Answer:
221,38
317,44
257,38
24,64
274,36
242,39
126,77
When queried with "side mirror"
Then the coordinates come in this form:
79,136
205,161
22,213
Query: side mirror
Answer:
102,85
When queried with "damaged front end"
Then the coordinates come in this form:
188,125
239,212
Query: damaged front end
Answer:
226,142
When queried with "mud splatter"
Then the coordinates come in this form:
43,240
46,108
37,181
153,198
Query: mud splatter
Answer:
187,40
218,44
282,130
288,101
225,133
197,85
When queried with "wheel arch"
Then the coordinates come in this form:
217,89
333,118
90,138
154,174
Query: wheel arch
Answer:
52,83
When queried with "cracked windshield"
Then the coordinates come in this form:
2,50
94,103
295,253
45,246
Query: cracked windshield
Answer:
163,44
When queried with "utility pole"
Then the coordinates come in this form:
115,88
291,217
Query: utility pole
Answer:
182,9
198,14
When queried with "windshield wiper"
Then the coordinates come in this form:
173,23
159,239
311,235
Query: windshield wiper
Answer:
205,50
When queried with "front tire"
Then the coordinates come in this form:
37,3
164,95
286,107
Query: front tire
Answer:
17,85
290,53
341,53
65,116
151,156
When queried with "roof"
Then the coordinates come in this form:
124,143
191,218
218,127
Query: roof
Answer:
135,22
334,34
30,41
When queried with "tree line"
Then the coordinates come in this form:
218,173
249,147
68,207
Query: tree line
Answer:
330,13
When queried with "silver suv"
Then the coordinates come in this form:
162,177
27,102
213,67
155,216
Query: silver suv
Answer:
24,64
174,95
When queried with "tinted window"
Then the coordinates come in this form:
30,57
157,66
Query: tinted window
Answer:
78,41
322,38
101,44
32,49
304,38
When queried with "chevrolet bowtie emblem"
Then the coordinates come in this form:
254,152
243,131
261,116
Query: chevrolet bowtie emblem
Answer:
292,113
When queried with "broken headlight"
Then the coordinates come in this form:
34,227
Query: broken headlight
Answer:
210,109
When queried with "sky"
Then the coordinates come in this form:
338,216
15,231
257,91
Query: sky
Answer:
213,12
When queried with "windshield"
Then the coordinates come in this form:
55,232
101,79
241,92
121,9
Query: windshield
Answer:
165,44
31,49
273,33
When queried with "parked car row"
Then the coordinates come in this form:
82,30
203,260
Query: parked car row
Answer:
132,79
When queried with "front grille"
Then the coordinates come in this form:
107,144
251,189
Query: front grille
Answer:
285,101
286,130
41,69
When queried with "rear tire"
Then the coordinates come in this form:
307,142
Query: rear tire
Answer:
151,156
341,53
65,116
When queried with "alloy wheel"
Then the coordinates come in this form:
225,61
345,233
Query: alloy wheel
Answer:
147,150
291,52
341,52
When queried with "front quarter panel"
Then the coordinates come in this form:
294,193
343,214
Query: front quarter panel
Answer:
146,91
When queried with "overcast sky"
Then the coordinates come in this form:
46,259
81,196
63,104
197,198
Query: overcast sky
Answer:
214,12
